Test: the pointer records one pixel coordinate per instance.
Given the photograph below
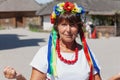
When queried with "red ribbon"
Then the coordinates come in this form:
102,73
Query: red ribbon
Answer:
88,58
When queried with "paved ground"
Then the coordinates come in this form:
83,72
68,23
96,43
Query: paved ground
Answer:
18,46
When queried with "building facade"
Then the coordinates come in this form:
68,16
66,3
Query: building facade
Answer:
19,13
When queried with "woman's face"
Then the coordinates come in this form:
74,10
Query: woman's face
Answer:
67,31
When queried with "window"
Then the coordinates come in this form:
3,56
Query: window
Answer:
104,20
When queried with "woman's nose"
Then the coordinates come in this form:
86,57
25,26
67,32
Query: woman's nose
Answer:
68,28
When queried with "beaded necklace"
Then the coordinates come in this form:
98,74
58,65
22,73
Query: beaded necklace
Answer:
62,58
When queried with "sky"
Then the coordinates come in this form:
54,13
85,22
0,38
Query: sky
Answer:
43,1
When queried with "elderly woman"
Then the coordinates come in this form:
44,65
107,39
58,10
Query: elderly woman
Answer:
63,58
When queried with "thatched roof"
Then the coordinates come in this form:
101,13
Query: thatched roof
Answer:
102,12
18,5
94,7
49,7
104,7
1,1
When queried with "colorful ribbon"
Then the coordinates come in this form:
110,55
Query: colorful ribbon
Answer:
52,53
88,57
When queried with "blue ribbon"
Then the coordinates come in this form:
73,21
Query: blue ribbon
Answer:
94,62
49,53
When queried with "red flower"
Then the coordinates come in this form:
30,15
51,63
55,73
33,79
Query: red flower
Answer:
52,19
68,6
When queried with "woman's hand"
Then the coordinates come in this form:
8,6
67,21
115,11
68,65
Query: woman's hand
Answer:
9,72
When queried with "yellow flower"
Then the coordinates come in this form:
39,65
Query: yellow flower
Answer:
60,5
53,15
76,9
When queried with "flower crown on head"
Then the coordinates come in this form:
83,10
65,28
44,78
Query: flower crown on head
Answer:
65,7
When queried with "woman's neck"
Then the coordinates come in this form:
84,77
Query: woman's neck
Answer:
68,46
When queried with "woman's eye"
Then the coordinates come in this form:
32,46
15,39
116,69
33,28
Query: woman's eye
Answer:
72,25
64,24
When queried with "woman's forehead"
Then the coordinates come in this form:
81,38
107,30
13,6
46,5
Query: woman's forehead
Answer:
65,21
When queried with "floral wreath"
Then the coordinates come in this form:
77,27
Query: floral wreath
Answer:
65,7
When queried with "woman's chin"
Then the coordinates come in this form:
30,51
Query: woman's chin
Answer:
69,40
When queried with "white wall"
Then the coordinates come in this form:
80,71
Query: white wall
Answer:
46,23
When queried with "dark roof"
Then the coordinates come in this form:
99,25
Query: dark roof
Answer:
18,5
102,12
95,7
104,7
48,8
1,1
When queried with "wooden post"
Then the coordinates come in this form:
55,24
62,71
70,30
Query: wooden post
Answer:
117,24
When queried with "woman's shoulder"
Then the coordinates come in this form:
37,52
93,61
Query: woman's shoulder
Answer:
40,60
42,51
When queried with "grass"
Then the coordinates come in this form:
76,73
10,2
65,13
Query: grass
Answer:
36,28
1,28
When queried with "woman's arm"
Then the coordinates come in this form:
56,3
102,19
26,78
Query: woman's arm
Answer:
115,77
37,75
11,73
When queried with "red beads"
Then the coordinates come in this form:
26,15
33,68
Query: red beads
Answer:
62,58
